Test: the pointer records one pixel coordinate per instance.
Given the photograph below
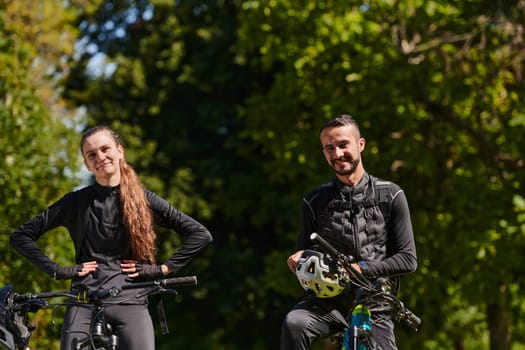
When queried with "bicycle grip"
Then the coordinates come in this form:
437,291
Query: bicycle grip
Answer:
412,320
179,281
324,244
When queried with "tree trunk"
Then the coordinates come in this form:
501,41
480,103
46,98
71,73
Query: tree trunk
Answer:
498,320
459,343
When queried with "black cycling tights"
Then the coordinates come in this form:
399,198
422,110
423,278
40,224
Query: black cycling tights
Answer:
132,324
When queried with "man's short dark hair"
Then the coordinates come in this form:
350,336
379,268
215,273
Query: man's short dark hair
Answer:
341,120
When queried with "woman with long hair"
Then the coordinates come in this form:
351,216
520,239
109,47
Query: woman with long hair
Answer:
111,224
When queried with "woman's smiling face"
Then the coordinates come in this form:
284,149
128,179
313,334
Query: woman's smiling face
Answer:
102,157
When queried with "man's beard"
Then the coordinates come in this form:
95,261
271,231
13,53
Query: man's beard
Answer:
353,166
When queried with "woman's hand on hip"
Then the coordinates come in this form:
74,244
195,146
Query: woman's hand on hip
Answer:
135,269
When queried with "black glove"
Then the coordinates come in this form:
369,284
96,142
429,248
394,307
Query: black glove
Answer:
149,271
67,272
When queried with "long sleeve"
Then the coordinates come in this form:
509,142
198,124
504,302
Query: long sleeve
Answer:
308,222
24,238
197,236
401,250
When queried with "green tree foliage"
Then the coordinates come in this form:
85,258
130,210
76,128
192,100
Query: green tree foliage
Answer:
38,149
435,87
220,103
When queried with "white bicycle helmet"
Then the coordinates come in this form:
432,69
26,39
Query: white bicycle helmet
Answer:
316,275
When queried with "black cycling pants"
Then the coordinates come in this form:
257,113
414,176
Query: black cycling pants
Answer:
319,318
132,324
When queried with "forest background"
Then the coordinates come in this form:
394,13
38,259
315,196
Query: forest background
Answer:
220,103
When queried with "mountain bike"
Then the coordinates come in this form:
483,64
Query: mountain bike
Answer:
373,297
16,330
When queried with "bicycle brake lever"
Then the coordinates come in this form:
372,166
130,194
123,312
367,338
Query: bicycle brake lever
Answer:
156,290
171,291
148,291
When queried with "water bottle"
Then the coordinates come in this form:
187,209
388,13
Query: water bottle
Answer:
346,340
359,326
361,318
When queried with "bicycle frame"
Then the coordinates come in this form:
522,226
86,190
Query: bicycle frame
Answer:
101,334
358,336
15,309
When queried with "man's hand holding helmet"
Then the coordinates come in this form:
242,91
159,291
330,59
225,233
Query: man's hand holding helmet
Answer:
293,260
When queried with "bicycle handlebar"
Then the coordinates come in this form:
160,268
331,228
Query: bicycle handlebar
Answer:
90,296
410,318
327,247
358,279
344,261
165,282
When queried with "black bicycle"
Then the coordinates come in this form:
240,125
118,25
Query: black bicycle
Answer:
374,297
16,330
